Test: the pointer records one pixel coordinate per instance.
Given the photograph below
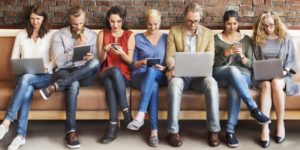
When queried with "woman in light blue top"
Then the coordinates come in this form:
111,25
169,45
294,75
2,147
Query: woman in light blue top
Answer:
148,78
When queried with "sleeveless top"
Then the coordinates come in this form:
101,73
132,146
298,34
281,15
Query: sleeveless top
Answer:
113,60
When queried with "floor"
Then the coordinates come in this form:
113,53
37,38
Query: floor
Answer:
44,135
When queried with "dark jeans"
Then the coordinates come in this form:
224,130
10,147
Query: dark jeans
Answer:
148,83
115,91
69,80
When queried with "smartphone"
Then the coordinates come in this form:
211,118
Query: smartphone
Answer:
152,61
114,46
236,45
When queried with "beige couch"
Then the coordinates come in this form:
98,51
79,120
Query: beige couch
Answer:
91,100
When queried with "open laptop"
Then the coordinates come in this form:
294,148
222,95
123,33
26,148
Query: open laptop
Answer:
193,64
267,69
28,65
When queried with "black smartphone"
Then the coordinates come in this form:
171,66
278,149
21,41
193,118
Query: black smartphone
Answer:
113,46
152,61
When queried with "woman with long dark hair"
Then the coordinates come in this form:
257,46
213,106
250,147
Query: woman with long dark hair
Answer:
31,42
115,49
233,61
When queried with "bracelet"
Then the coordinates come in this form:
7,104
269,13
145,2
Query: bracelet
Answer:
104,50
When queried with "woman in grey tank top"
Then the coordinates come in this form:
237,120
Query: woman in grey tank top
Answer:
271,41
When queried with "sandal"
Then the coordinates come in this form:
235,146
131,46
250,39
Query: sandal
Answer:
135,125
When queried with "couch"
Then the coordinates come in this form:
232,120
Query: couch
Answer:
91,99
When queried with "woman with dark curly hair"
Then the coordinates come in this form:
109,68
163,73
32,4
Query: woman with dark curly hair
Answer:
115,50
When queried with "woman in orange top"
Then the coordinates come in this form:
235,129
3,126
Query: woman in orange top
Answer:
115,50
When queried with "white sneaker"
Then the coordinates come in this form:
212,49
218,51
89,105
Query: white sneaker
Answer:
16,143
3,131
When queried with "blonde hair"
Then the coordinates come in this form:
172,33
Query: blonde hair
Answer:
152,13
193,7
259,33
76,11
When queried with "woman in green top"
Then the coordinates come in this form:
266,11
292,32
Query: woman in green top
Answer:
233,61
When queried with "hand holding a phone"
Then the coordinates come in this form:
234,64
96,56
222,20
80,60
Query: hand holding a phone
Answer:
237,48
117,49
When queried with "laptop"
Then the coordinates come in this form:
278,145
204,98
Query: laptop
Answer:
28,65
193,64
267,69
80,51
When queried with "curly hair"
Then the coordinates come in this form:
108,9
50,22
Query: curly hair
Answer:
259,33
37,9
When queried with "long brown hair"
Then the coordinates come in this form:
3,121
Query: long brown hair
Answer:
37,9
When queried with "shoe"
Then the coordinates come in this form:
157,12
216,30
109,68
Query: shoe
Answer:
232,140
153,141
264,144
174,140
213,139
135,125
47,91
72,140
110,134
3,131
279,139
259,117
127,117
16,143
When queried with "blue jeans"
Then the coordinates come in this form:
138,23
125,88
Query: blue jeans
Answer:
70,80
115,92
22,96
238,88
148,82
208,86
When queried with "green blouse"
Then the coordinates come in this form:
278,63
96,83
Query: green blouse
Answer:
221,60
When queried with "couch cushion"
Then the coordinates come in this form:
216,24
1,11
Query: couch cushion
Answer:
89,98
6,49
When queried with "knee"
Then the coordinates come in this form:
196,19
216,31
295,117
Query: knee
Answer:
210,82
94,63
266,85
276,84
175,84
151,72
115,71
232,70
26,79
74,86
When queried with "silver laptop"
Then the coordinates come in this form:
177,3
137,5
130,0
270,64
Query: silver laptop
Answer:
267,69
193,64
28,65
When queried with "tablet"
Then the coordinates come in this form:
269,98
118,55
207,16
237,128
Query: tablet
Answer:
80,51
152,61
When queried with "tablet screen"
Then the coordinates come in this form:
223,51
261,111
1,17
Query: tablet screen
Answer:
80,51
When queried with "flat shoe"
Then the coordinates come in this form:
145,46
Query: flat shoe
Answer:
135,125
153,141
